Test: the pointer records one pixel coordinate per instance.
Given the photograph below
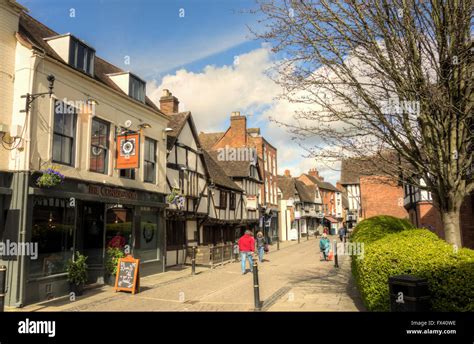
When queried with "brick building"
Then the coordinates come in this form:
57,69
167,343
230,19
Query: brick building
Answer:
424,214
239,136
369,192
330,197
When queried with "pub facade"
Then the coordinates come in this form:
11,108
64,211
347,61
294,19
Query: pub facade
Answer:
81,165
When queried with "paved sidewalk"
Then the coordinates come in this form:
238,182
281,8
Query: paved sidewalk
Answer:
292,279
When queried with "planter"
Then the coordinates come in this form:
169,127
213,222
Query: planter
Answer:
76,289
110,280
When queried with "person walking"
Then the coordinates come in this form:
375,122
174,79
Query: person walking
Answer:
342,233
324,245
261,242
246,248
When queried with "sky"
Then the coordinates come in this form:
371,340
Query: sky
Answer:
201,50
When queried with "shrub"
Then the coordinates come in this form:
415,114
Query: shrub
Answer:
112,258
77,270
377,227
421,253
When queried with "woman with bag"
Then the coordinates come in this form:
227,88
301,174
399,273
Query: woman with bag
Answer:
261,246
324,246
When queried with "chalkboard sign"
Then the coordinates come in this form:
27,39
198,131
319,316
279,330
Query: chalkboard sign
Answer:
128,277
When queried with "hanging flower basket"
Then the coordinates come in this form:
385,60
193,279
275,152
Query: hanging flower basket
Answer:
176,198
49,178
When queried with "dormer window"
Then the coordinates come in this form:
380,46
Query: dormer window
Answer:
130,84
74,52
137,89
81,57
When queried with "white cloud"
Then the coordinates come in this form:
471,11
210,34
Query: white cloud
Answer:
212,94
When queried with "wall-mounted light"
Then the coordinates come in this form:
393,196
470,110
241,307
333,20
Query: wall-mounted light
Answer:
166,131
144,126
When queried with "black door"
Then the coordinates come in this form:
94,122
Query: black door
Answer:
90,234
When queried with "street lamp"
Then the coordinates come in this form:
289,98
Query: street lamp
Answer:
30,98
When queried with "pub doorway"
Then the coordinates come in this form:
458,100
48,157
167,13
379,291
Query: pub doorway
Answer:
90,233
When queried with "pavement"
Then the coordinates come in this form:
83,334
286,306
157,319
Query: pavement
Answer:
290,279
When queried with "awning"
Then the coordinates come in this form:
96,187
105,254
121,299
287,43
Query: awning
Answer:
331,219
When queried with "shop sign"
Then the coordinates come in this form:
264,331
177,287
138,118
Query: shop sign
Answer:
252,202
297,215
112,192
128,151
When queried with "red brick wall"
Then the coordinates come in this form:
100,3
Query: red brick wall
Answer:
429,217
381,196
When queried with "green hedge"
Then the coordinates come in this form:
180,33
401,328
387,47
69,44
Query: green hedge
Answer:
377,227
417,252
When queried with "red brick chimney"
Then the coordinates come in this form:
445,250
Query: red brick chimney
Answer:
314,172
238,129
169,104
287,173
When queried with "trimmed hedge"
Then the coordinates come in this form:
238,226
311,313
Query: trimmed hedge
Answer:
417,252
377,227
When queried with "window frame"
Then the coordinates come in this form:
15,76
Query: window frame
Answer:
141,91
147,141
106,148
223,199
88,57
232,200
62,135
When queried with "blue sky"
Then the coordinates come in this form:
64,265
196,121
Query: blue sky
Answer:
207,58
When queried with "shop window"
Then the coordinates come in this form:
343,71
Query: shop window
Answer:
81,57
53,231
118,227
64,133
175,234
150,161
99,146
148,238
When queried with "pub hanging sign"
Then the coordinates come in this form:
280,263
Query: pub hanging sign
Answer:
128,151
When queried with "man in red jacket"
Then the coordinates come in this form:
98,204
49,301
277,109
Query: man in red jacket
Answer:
246,248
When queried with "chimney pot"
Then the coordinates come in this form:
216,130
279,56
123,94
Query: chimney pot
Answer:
169,104
287,173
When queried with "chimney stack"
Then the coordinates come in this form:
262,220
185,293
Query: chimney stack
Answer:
287,173
169,104
238,129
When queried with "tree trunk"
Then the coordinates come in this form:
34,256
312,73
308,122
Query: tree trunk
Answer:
452,226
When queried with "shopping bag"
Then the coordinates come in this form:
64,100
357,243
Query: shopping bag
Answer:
331,255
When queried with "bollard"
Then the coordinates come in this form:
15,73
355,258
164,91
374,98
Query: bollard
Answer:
335,254
256,287
278,243
193,261
3,278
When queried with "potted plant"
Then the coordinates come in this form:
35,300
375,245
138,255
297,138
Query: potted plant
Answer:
77,273
49,178
111,262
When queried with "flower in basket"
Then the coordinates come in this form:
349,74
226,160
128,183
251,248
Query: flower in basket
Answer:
49,178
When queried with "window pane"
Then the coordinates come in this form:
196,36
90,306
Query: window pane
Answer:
53,230
57,148
98,159
149,172
80,57
66,154
59,122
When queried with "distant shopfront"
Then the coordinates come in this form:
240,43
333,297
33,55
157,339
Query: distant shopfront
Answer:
88,218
